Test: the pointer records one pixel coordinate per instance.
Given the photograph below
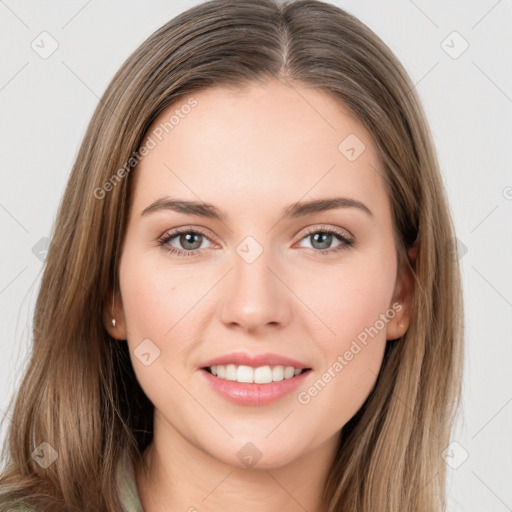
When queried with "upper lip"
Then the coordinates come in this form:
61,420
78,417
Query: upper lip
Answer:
256,360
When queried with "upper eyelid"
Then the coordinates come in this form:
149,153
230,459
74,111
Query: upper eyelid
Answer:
325,227
172,233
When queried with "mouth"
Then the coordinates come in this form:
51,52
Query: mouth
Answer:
254,385
265,374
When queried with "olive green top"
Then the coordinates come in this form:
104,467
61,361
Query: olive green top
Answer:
128,488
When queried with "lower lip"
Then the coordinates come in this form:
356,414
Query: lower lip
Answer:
242,393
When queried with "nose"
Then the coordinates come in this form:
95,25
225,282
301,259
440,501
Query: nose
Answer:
254,296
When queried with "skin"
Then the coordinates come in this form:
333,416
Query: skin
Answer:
251,153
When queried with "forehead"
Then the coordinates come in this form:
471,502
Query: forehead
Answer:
263,143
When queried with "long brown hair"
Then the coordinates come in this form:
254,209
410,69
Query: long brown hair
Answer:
80,394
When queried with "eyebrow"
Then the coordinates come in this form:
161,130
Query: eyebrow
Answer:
295,210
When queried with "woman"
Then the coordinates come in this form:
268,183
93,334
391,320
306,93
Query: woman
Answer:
247,369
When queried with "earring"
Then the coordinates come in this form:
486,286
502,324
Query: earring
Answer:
113,319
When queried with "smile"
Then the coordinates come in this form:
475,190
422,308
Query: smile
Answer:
260,375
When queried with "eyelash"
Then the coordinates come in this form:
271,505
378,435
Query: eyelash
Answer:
347,242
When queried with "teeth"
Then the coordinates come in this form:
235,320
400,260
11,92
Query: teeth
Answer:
245,374
263,375
230,372
277,373
260,375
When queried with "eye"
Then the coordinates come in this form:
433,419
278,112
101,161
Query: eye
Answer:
190,239
321,239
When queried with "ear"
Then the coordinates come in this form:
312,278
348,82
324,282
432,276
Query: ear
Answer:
403,293
114,310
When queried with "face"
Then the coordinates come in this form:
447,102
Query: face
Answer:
254,271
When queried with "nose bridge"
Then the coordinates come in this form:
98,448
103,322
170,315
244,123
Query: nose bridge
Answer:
255,297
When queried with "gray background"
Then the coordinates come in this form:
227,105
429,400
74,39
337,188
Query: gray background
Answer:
46,103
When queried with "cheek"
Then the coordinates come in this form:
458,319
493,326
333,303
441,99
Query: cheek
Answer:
353,301
156,300
161,315
351,361
340,391
348,299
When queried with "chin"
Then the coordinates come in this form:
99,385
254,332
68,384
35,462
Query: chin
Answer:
261,453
